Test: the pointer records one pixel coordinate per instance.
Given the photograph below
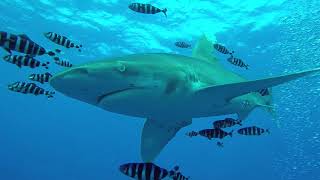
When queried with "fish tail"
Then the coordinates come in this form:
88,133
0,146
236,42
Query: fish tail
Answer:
57,50
50,53
247,66
165,12
230,133
45,65
50,94
267,130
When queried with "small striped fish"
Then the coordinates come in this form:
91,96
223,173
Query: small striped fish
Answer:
182,44
222,49
24,61
227,122
63,63
42,78
253,131
144,171
61,40
146,9
238,62
214,133
23,44
29,88
264,92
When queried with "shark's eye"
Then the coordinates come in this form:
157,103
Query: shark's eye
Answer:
121,67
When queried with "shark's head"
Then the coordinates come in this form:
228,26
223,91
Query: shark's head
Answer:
115,85
92,82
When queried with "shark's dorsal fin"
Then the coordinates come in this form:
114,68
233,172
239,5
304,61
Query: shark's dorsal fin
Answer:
155,136
203,50
221,94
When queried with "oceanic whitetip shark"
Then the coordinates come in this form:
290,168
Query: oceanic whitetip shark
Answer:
167,90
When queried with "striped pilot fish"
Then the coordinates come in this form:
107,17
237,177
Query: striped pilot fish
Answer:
146,9
41,78
63,63
222,49
145,171
214,133
227,122
61,40
253,131
29,88
23,44
182,44
237,62
25,61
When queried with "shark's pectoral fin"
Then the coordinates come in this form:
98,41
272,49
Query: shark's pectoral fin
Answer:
155,135
223,93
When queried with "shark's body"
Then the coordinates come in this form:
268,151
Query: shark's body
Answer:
166,89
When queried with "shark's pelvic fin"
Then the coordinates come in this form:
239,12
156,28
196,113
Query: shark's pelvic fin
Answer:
155,135
223,93
203,50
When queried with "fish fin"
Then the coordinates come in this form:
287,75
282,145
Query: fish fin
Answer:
155,136
19,64
223,93
57,50
24,36
203,50
49,74
165,12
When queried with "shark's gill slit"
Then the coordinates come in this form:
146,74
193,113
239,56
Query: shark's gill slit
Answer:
99,99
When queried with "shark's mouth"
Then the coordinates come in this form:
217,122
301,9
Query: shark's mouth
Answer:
108,94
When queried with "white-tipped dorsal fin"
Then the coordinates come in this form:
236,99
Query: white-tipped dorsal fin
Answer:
203,50
220,94
155,136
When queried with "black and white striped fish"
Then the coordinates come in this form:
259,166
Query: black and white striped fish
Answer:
227,122
61,40
41,78
222,49
238,62
264,92
23,44
29,88
214,133
253,131
24,61
146,8
63,63
145,171
182,44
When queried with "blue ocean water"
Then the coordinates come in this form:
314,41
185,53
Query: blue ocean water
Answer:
64,139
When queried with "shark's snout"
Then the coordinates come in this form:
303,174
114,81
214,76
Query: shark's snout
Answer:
68,78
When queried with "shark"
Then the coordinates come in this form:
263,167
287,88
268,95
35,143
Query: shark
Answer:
167,90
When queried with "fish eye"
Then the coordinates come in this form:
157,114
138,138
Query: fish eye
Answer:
121,67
